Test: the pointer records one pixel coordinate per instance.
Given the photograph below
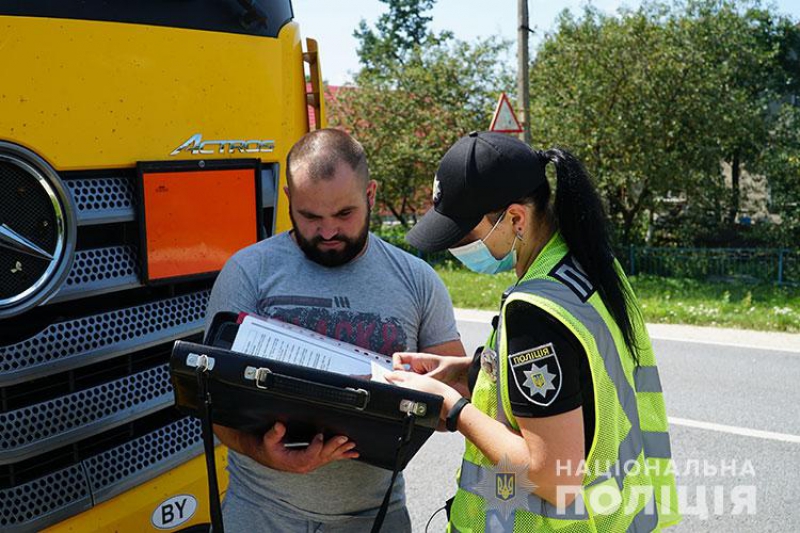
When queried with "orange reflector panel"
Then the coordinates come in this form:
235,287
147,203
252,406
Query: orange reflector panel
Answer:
195,220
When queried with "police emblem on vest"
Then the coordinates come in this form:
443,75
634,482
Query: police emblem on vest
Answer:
537,374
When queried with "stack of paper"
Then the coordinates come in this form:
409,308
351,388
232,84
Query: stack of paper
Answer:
273,339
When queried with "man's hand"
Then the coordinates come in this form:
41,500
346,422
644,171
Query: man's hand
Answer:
449,370
270,449
273,453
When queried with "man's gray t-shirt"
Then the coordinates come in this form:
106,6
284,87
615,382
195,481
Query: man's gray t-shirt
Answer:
385,300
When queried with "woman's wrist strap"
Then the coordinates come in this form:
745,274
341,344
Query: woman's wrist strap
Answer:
451,422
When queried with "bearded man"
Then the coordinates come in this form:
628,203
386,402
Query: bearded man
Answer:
331,275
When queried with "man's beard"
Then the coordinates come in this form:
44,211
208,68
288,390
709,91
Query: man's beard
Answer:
332,258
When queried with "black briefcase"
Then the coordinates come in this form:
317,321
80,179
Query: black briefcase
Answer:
250,393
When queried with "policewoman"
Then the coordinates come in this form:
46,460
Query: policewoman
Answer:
564,416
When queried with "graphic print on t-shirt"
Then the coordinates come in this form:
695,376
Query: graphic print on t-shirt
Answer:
333,318
537,374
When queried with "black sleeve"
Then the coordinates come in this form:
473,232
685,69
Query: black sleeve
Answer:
474,369
544,364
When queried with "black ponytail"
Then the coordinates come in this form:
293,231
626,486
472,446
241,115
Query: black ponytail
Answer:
581,220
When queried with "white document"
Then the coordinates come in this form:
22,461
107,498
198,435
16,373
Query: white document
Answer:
273,339
379,372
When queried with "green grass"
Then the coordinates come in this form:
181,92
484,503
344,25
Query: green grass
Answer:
475,291
663,300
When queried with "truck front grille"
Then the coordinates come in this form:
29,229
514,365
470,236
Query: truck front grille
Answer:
88,339
86,404
103,199
86,473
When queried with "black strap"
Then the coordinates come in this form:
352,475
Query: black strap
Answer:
204,401
402,441
315,392
451,422
448,506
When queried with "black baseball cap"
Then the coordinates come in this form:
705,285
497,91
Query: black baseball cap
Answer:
481,173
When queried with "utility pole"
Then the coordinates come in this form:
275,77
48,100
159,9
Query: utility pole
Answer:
523,87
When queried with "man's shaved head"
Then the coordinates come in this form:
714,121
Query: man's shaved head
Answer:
330,196
318,153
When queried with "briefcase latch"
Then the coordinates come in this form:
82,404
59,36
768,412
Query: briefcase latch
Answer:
201,361
259,375
414,408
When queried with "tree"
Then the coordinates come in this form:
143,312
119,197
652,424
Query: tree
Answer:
396,35
655,99
780,158
781,162
742,42
416,94
627,97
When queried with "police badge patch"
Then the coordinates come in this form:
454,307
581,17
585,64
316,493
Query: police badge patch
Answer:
537,374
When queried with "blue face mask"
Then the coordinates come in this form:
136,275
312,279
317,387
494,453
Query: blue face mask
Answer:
477,257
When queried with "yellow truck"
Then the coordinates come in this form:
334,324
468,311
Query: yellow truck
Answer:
124,129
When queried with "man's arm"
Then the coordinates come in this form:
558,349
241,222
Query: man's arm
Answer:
438,332
455,348
238,441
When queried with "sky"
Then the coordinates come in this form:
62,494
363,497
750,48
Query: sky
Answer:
332,23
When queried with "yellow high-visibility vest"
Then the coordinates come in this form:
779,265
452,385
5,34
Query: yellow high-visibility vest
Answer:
628,483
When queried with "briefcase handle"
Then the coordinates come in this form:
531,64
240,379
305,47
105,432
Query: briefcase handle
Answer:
303,389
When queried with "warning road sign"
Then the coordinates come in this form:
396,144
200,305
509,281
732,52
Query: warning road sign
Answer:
504,119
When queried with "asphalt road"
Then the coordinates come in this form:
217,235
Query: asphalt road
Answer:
735,415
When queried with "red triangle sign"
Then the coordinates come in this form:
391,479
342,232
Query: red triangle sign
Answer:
504,119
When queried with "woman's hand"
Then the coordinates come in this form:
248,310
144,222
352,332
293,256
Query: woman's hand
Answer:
427,384
449,370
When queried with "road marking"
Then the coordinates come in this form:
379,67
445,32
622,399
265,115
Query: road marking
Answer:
735,430
793,351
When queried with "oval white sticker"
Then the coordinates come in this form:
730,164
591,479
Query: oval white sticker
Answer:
173,512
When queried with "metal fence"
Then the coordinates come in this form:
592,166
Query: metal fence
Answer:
753,265
748,265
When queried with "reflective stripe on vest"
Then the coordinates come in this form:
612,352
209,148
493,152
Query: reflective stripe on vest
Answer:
644,522
645,379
